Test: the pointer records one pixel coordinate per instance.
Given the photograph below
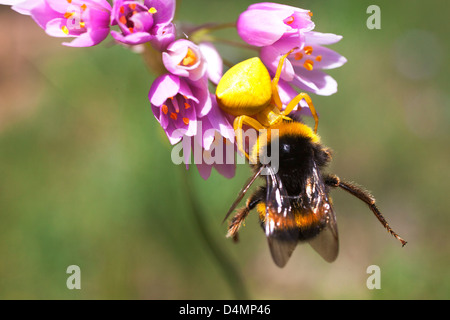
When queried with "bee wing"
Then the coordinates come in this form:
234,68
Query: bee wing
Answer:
279,224
326,243
243,192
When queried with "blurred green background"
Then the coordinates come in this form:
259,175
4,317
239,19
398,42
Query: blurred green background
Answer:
86,176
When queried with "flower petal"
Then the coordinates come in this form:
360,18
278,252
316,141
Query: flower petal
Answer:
163,88
315,81
214,61
165,10
22,6
329,59
132,39
88,39
270,56
43,13
204,170
261,27
320,38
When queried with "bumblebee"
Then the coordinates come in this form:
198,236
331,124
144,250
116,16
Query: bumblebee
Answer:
294,204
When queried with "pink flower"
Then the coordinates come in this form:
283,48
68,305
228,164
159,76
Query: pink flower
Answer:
144,21
213,144
86,20
214,62
273,24
303,68
177,103
219,156
184,58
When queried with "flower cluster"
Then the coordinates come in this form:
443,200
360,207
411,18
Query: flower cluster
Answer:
276,29
90,21
180,98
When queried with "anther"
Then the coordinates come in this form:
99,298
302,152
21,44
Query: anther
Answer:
289,20
190,58
174,116
152,10
308,65
319,58
308,50
65,29
164,109
298,56
186,121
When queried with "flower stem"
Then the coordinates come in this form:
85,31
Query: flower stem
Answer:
228,269
235,43
153,60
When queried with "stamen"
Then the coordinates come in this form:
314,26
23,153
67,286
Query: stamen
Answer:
319,58
122,10
65,29
152,10
132,6
174,116
69,1
308,64
190,59
310,13
187,105
131,30
164,109
82,24
308,50
123,20
67,15
289,20
83,6
186,121
175,104
298,56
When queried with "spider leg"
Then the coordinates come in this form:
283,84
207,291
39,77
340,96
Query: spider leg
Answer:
294,102
238,124
276,79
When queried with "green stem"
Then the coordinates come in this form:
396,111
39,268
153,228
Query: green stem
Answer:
235,43
228,269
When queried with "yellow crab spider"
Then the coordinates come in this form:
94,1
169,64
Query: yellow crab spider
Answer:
247,92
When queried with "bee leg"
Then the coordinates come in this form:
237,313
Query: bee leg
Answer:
294,102
238,124
239,218
334,181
